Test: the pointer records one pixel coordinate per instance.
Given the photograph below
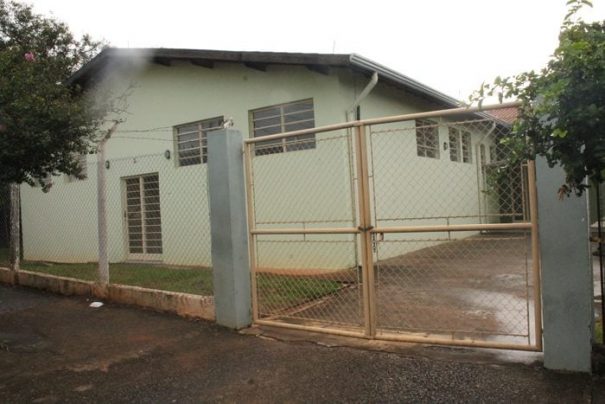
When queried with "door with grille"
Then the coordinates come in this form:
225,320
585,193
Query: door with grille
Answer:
143,217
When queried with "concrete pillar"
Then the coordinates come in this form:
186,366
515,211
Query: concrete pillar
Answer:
231,270
567,291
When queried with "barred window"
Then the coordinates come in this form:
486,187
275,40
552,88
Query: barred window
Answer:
460,145
191,141
493,153
467,155
454,138
427,138
281,118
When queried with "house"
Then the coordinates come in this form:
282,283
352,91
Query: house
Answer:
156,171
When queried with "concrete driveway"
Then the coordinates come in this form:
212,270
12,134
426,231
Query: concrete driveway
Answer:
478,287
58,349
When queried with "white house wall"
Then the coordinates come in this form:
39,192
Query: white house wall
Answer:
302,188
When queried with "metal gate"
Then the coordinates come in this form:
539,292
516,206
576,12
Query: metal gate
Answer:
419,227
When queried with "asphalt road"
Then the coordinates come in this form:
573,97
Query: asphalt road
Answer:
58,349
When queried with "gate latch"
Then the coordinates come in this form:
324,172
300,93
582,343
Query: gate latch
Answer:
365,228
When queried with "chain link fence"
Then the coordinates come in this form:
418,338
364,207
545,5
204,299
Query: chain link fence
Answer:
450,251
157,223
4,225
451,172
308,190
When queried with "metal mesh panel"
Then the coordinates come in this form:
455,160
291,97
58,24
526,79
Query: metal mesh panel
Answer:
469,180
475,285
158,225
304,188
427,231
4,225
302,277
455,284
317,292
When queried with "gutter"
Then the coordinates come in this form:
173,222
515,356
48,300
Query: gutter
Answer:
364,93
367,64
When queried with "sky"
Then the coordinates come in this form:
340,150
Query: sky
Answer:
450,45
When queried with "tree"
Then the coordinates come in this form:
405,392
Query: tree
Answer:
562,113
44,122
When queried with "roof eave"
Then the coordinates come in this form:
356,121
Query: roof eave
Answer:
405,81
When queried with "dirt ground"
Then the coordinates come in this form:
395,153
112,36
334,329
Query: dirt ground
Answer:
58,349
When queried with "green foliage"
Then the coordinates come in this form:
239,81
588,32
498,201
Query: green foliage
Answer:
44,122
562,113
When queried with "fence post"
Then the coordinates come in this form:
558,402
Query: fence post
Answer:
15,228
567,290
230,264
103,265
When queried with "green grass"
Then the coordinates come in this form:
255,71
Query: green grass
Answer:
196,280
284,292
598,331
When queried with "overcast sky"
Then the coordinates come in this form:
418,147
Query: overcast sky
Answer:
451,45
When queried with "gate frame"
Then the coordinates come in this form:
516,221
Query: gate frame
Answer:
366,232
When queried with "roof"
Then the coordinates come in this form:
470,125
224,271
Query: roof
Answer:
507,115
260,60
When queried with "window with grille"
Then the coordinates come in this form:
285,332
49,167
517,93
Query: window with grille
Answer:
83,164
191,141
427,138
144,220
493,154
460,145
281,118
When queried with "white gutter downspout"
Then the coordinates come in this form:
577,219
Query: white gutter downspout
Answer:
351,111
368,88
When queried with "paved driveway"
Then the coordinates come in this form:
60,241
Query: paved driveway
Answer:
479,287
57,349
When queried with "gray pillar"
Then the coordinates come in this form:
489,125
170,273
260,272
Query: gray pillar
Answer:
566,274
231,270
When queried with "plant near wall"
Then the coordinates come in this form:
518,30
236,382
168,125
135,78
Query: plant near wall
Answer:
562,112
44,122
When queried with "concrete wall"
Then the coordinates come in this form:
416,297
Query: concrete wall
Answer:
566,274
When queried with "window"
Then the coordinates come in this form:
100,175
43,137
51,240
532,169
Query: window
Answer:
191,142
466,147
493,153
82,163
427,138
281,118
143,217
454,138
460,145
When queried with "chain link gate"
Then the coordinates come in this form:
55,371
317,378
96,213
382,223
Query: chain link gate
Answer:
415,228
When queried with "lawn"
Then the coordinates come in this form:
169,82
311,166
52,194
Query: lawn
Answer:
196,280
284,291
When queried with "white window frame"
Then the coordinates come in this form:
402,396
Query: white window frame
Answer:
425,146
283,145
460,145
147,252
199,141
